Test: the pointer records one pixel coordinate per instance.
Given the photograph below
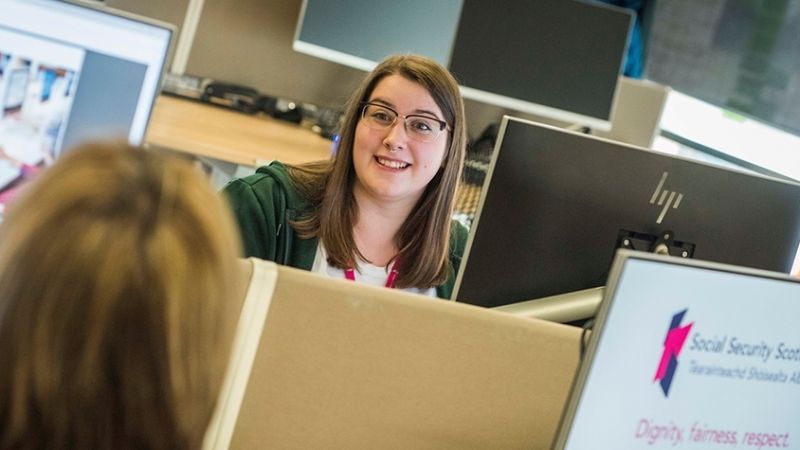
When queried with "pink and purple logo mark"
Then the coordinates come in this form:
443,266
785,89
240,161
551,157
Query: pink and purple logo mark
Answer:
673,344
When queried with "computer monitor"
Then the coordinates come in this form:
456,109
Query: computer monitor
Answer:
556,205
554,58
69,73
558,59
327,30
688,354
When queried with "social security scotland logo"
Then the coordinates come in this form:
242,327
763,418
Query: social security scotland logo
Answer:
673,343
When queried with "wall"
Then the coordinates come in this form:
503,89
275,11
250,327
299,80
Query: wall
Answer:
250,42
170,11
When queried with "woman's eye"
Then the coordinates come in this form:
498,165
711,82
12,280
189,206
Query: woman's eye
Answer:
422,126
382,116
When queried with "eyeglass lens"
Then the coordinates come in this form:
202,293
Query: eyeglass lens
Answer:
420,128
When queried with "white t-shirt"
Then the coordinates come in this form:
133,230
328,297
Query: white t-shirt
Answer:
365,273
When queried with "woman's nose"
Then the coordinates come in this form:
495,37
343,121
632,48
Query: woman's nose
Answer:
396,136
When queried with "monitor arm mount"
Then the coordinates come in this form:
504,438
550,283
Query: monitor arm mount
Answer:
662,244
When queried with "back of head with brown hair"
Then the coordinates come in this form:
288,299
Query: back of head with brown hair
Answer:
114,265
425,236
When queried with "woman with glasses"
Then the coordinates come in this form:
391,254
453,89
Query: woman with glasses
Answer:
380,211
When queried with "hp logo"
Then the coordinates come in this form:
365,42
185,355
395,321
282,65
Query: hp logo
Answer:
666,199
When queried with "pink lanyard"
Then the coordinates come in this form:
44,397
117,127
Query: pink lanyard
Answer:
350,274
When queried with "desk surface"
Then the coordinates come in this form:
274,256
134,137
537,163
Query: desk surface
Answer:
205,130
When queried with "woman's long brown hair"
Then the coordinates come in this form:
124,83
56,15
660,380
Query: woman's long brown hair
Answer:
424,237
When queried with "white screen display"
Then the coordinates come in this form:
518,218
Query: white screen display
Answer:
692,357
68,74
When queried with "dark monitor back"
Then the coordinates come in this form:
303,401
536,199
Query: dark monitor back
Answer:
555,202
561,54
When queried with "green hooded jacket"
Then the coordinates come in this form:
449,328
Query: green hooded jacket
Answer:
264,204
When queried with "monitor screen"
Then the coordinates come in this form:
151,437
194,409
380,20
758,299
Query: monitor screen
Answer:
689,355
541,57
554,58
69,73
359,33
557,204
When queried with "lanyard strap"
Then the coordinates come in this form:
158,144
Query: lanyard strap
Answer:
350,274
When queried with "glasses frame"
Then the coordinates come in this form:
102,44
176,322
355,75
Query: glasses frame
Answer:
442,124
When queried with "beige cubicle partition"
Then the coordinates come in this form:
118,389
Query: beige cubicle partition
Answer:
343,365
637,114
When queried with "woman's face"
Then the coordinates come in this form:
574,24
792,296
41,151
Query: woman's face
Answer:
390,165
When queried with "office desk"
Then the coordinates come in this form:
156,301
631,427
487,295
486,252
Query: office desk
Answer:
193,127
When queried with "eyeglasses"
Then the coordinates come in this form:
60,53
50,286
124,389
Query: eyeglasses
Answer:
419,128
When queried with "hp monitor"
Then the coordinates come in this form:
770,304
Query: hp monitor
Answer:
688,354
557,204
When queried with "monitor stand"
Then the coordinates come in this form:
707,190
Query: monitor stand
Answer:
581,305
569,307
661,244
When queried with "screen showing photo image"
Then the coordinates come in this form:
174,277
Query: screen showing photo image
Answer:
38,81
70,74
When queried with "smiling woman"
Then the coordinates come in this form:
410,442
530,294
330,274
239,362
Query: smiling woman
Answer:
394,162
380,211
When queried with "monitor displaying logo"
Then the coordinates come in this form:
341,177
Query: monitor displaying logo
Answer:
665,198
673,343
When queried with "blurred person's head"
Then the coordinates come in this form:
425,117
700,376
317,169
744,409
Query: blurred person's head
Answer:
114,269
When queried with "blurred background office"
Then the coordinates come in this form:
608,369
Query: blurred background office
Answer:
731,65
